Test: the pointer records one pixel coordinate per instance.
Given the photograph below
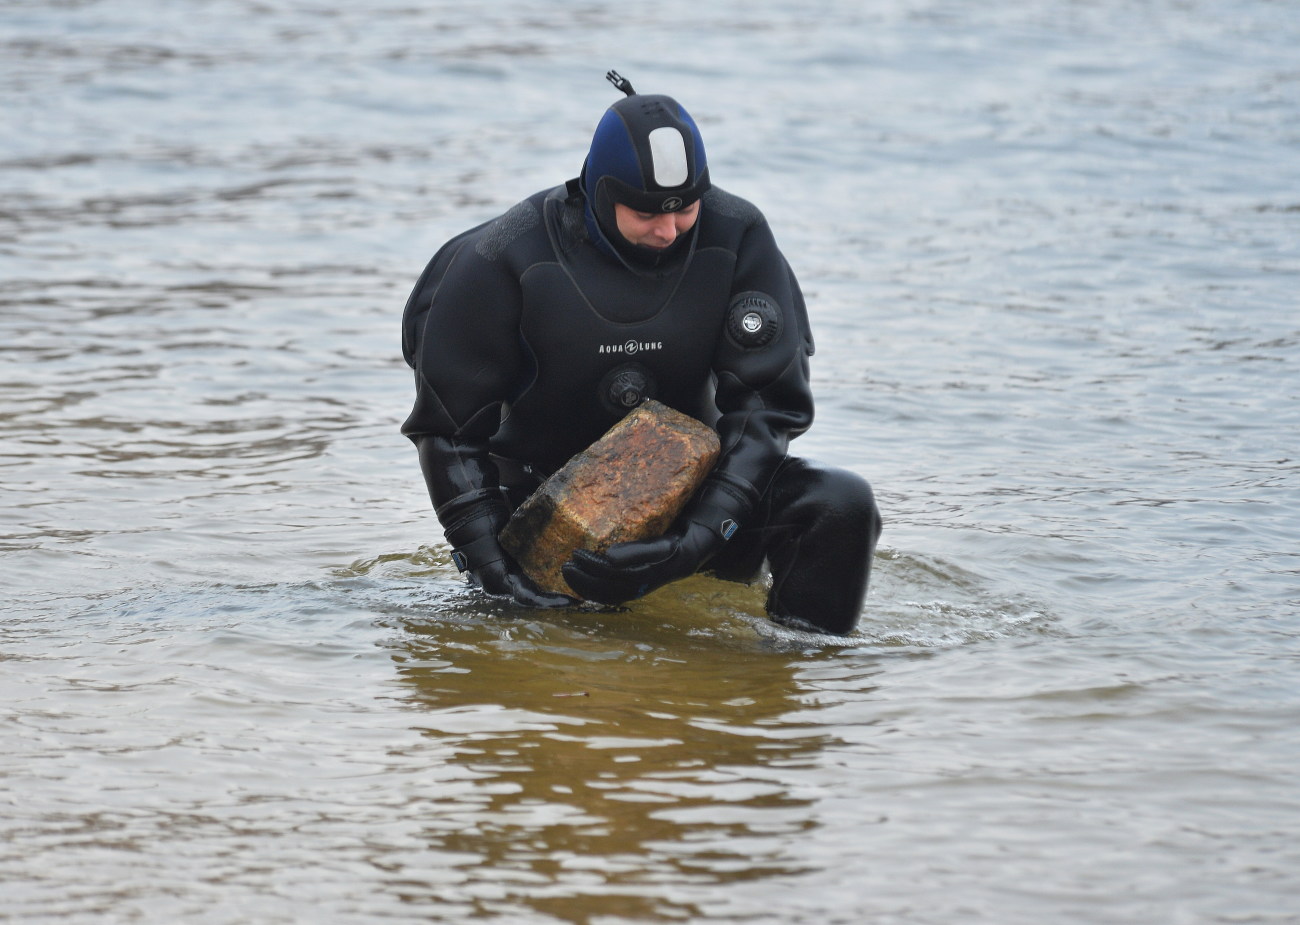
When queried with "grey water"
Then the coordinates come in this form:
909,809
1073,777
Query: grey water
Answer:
1052,254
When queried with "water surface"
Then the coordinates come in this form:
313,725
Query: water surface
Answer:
1051,256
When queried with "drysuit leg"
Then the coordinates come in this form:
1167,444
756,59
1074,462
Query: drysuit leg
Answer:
817,529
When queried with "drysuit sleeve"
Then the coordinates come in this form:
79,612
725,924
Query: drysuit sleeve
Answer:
763,392
460,333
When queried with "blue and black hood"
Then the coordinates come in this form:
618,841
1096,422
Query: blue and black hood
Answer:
646,154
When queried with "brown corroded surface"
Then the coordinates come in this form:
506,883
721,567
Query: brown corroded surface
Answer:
628,485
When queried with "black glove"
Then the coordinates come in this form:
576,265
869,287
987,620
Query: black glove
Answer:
631,570
466,492
505,579
476,549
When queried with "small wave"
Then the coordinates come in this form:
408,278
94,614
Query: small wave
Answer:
924,601
916,601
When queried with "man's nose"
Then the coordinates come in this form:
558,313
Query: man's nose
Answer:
665,226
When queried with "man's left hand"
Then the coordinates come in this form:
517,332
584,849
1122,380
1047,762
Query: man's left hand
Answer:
631,570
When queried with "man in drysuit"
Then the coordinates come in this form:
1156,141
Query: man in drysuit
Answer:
532,334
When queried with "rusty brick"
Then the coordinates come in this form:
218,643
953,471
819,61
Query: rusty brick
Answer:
628,485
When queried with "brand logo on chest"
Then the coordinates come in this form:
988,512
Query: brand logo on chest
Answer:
631,347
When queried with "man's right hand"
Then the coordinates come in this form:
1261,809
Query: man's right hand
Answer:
503,579
467,497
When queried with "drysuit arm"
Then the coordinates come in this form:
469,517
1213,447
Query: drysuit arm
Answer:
460,335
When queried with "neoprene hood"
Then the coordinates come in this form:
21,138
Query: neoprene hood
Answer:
646,154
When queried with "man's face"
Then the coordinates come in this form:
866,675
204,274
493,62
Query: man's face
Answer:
655,229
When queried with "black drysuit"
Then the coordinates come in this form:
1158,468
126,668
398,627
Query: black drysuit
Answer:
530,336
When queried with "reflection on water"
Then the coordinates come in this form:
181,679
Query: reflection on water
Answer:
605,756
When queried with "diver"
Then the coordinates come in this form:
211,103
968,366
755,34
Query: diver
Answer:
532,334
